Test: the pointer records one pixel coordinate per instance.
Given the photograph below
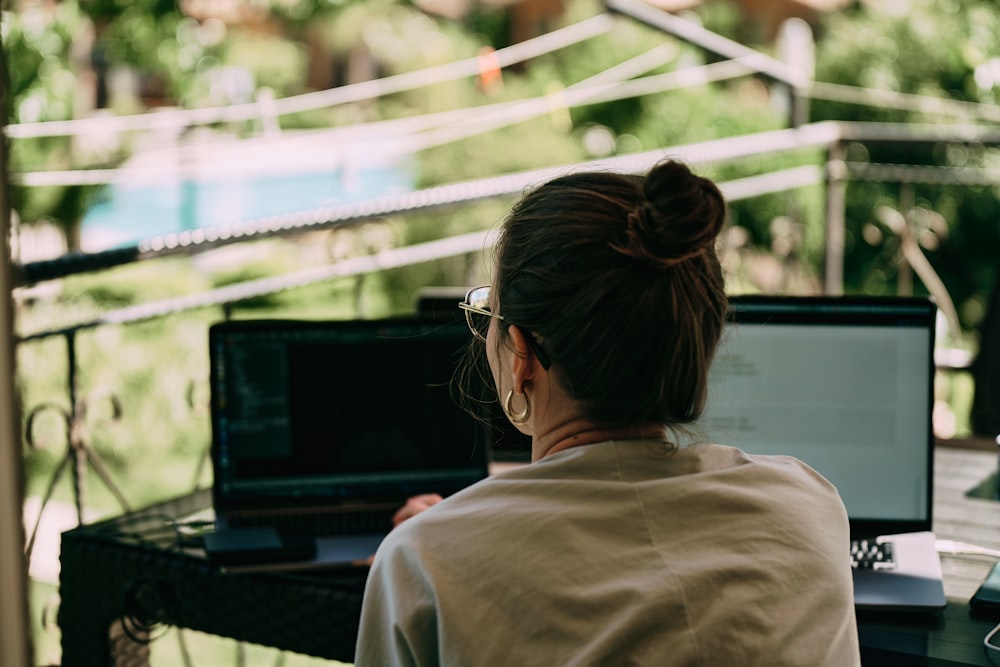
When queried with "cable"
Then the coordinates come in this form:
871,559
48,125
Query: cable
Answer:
953,547
149,606
989,636
958,548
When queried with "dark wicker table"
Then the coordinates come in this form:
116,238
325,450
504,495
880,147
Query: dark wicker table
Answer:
125,578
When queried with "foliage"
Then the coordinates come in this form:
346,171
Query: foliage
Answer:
190,58
942,48
964,64
159,367
276,63
36,43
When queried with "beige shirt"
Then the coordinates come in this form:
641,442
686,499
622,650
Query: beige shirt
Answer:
620,553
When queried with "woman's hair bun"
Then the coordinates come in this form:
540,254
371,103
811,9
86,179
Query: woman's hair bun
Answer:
678,218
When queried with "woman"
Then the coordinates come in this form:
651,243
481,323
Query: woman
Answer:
615,545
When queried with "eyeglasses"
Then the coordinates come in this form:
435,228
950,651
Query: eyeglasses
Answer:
478,314
477,311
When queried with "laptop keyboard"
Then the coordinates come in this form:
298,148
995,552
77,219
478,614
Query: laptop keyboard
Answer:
872,555
341,523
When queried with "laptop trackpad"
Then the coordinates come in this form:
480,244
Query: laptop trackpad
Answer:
240,546
914,585
347,549
263,549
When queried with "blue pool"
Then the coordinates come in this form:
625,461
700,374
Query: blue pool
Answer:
125,213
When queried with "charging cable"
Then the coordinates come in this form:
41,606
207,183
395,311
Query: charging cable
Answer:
953,547
986,640
959,548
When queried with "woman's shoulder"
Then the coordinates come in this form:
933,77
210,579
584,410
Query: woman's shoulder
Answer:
777,479
729,456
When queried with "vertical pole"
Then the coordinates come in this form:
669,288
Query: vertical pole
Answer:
797,48
904,272
15,637
358,295
836,197
76,446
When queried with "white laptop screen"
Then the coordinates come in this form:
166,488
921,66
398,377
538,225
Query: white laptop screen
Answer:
845,385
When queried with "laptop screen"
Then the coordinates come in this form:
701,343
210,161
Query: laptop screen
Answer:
307,412
843,383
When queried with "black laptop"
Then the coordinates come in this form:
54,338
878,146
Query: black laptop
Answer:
846,385
321,430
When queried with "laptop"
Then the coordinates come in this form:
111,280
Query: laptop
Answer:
844,384
321,430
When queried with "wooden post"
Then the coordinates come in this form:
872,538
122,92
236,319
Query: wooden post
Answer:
836,195
904,271
15,640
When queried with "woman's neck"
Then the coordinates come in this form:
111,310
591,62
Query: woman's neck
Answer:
579,432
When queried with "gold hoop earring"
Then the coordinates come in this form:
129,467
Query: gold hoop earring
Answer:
516,417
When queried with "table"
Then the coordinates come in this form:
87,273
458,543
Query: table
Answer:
123,578
966,511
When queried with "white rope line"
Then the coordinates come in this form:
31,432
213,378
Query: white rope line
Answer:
777,181
633,67
391,258
444,127
702,153
355,133
834,92
558,39
452,125
354,266
526,50
573,97
694,33
628,69
591,90
532,48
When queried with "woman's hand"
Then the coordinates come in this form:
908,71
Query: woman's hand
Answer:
414,506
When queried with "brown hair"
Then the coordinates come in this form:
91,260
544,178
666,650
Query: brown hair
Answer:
618,279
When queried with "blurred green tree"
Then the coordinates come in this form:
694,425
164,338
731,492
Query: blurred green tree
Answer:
938,48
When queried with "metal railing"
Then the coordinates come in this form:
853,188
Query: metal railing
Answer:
833,173
834,178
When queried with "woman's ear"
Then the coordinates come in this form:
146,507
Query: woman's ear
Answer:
523,362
